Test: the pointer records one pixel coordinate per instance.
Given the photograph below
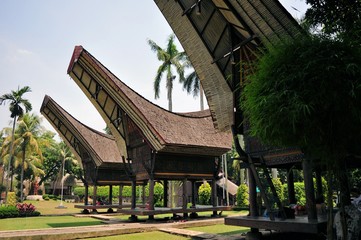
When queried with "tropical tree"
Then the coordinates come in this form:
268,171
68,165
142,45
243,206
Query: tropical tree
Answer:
192,84
336,18
17,103
28,132
171,58
67,161
299,98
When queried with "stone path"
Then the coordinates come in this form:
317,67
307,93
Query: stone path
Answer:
115,228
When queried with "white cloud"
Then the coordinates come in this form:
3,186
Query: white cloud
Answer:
23,51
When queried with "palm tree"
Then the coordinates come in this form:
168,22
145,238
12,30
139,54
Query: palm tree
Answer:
28,130
170,58
192,84
17,102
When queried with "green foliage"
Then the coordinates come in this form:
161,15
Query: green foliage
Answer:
204,194
299,98
278,186
11,200
335,17
242,196
20,210
8,212
158,195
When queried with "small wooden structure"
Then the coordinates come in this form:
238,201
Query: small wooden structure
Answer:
156,145
221,38
96,152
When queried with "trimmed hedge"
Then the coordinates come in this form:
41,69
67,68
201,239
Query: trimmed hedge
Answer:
242,196
204,194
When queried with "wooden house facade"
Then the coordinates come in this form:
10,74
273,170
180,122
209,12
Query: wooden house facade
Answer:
155,144
221,38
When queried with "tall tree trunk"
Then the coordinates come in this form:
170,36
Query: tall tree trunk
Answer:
22,175
201,96
10,160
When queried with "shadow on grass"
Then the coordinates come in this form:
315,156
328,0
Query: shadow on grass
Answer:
234,232
74,224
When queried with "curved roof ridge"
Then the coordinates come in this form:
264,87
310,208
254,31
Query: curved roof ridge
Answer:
163,129
99,142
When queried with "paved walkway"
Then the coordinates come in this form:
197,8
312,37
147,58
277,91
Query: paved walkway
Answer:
114,228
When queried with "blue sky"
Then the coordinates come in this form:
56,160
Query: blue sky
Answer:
37,39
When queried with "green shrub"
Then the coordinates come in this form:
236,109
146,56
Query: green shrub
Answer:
279,189
242,196
9,212
204,194
158,195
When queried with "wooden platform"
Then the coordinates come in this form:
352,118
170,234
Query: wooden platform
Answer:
146,212
101,206
300,224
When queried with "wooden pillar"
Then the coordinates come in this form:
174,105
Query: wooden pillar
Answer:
184,195
319,190
253,208
151,197
193,214
86,195
309,189
151,194
214,195
193,194
134,194
165,193
143,194
94,197
110,197
291,187
134,200
120,197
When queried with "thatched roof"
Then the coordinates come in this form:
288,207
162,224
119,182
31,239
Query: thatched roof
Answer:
220,30
81,139
190,133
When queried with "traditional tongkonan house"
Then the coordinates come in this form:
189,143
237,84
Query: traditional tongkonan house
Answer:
221,38
96,152
156,145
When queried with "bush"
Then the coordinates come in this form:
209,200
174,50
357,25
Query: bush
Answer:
158,195
242,196
204,194
279,189
25,209
9,212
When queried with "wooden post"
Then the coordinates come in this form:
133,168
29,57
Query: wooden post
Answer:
86,195
253,208
120,196
319,190
214,196
110,201
165,193
134,194
193,194
151,197
143,194
309,189
151,194
94,197
291,187
134,200
184,197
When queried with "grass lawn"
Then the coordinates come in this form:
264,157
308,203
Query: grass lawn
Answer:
49,207
221,229
146,235
46,222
